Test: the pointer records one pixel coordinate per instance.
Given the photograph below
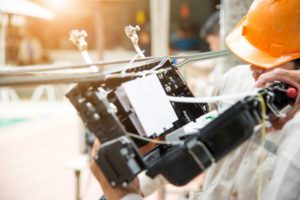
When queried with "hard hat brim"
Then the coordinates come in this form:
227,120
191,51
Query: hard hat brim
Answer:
243,49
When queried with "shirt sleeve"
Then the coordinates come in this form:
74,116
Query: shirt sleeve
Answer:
149,185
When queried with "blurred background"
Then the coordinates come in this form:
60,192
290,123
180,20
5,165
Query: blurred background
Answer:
104,21
43,145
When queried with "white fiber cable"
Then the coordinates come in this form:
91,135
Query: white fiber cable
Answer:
163,142
210,99
139,51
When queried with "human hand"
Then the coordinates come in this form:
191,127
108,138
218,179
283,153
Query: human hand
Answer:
291,77
280,122
110,192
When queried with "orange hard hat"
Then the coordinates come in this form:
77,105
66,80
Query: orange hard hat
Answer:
269,35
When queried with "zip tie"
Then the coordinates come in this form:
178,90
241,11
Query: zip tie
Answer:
130,63
196,159
213,160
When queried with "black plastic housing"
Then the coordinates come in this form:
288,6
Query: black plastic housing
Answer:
119,156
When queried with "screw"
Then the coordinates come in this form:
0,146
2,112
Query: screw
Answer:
168,89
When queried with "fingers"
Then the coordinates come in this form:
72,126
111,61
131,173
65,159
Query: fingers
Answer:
291,77
96,147
279,123
94,151
109,191
93,165
274,75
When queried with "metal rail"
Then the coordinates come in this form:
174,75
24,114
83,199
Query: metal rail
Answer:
38,75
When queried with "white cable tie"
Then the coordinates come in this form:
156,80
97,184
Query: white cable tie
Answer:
196,159
87,58
159,65
139,51
213,160
130,64
177,142
107,76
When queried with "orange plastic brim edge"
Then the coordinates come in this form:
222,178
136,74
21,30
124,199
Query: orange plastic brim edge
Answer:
241,47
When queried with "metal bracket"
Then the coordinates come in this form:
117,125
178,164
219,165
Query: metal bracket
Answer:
131,33
78,38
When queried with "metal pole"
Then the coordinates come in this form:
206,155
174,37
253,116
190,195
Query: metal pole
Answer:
139,61
4,21
232,12
77,185
160,25
99,29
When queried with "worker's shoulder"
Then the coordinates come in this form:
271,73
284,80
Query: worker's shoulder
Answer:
239,70
237,79
239,75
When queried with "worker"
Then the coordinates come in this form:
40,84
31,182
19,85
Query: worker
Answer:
227,178
30,49
264,39
210,32
285,181
267,37
201,76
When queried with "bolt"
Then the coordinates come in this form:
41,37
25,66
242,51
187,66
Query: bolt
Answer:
81,100
113,183
124,184
89,105
96,116
160,76
112,108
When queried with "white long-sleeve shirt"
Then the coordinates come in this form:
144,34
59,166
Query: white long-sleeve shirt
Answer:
285,183
236,175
